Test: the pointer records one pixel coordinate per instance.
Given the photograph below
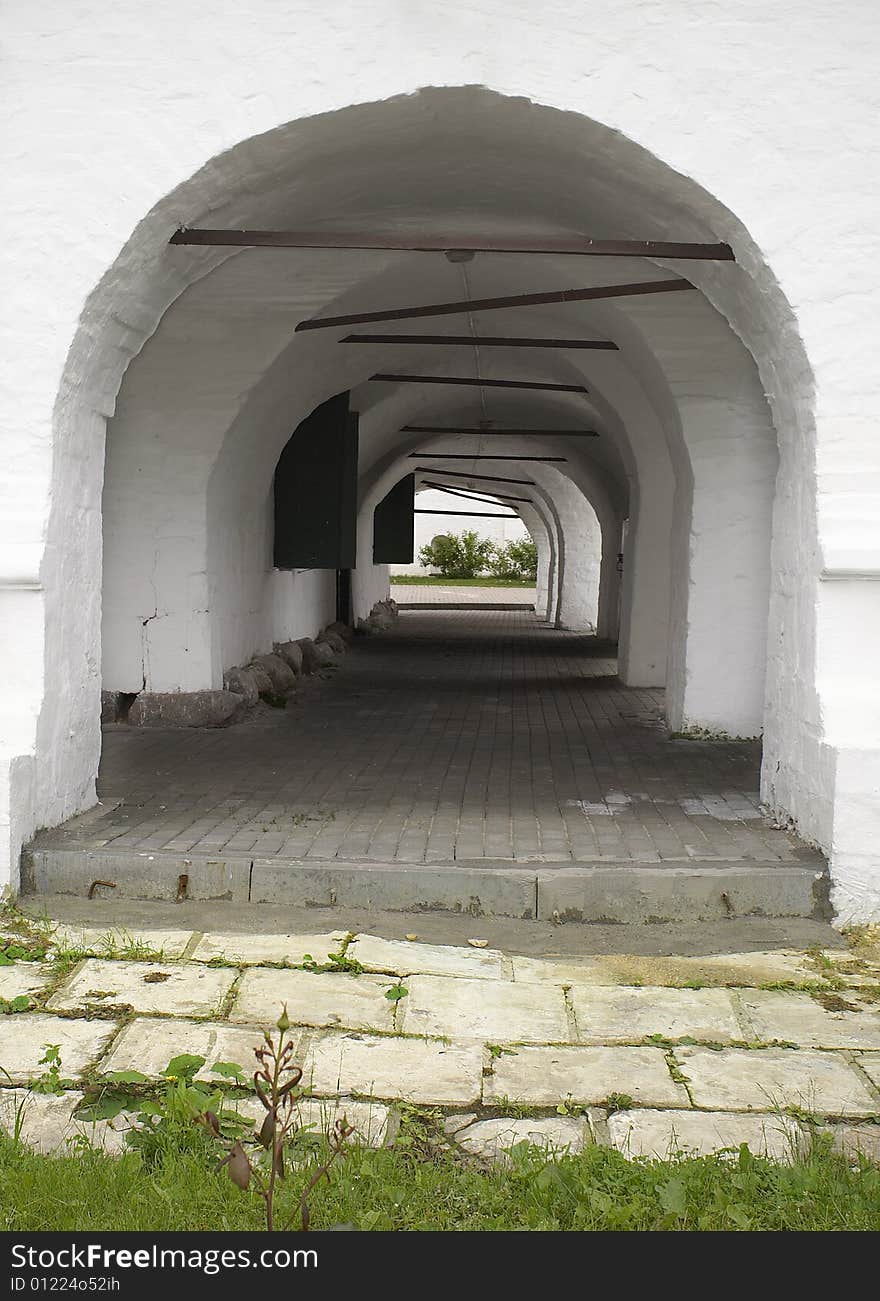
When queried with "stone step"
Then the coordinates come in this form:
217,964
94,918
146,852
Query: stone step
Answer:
624,892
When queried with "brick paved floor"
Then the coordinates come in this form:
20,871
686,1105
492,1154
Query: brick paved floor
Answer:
458,736
434,594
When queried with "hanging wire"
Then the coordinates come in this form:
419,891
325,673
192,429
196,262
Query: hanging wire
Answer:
472,328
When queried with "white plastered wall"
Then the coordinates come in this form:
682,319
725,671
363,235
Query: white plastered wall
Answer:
769,152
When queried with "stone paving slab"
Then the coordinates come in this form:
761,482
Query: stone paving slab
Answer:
115,940
411,1070
852,968
493,1139
870,1064
803,1020
548,1076
372,1121
405,958
563,972
622,1014
170,988
148,1045
733,1079
23,978
488,1011
251,950
525,1031
458,1120
723,969
45,1121
662,1134
23,1040
758,968
42,1120
325,999
855,1140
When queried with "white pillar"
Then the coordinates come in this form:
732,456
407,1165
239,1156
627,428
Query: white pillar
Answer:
644,615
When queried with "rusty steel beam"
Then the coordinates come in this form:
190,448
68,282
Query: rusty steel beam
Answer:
383,378
493,304
480,456
457,474
499,433
474,514
481,341
578,247
469,496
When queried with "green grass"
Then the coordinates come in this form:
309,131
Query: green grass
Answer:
418,1187
414,580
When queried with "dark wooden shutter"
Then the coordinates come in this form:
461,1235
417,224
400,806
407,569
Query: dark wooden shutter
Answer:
316,491
393,524
343,596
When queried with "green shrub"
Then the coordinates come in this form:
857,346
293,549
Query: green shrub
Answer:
463,556
517,559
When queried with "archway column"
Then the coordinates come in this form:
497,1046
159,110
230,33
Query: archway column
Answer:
608,621
847,604
644,615
578,542
721,521
22,608
540,532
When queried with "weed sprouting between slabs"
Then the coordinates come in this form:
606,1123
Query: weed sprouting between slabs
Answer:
277,1082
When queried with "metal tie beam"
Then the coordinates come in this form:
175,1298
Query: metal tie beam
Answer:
457,474
384,378
470,495
493,304
481,341
474,514
499,433
580,247
480,456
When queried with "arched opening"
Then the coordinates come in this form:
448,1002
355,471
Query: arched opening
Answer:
197,355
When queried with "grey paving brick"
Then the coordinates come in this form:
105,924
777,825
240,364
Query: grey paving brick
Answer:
458,736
